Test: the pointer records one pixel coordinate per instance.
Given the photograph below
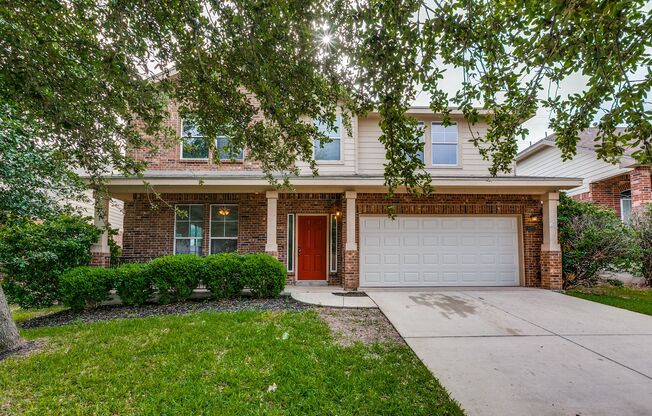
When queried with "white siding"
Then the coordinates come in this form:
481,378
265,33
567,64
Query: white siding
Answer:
116,212
371,153
346,166
548,163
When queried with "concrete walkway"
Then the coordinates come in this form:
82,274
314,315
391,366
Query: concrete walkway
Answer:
332,296
521,351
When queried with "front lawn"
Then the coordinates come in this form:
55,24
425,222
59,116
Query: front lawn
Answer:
637,300
21,315
240,363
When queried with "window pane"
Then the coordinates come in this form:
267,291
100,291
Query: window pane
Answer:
217,229
625,208
189,129
196,229
327,151
221,144
334,132
290,253
231,229
223,246
333,265
194,148
441,134
182,212
182,229
196,213
444,154
188,246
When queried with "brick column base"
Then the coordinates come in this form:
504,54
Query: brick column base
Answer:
551,270
351,279
100,259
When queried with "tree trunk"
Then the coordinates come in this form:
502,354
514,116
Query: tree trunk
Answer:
9,338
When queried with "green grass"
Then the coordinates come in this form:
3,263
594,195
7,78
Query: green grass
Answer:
218,364
20,314
637,300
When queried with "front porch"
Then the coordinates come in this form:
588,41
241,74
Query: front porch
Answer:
317,234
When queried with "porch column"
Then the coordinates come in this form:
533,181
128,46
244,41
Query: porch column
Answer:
351,278
100,252
551,271
271,247
640,180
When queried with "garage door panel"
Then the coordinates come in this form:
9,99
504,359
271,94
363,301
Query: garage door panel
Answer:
439,251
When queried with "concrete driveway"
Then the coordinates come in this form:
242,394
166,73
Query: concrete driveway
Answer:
522,351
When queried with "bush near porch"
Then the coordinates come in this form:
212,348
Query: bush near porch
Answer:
174,278
593,239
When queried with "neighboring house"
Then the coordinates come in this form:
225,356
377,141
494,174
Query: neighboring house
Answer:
474,230
624,187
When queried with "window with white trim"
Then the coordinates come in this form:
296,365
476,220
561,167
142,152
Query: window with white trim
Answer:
444,143
290,253
626,205
193,144
188,229
333,243
224,228
332,150
221,147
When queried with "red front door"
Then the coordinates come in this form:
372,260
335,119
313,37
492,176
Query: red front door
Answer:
311,248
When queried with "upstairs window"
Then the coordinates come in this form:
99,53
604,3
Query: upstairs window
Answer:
193,144
221,146
444,144
332,150
626,205
188,229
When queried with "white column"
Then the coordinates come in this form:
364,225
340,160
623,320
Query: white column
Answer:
272,200
351,244
101,221
550,237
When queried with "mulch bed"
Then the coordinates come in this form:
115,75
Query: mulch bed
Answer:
105,313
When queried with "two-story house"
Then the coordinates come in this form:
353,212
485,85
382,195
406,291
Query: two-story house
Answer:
624,187
473,230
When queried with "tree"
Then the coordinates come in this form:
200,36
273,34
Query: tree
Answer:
81,74
9,339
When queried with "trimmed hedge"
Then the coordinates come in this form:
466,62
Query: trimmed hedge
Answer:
86,286
221,275
263,274
175,277
133,283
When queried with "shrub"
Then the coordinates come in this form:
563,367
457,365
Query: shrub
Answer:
221,275
34,255
133,283
615,282
175,277
85,287
642,225
263,274
593,239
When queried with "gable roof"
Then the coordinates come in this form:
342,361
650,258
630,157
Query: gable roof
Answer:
587,143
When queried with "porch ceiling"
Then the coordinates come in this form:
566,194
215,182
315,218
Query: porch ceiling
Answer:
123,188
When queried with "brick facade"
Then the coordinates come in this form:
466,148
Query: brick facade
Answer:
100,259
607,192
167,155
149,232
551,270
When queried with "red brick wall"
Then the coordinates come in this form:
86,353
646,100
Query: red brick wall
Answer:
607,192
167,155
641,186
150,232
551,270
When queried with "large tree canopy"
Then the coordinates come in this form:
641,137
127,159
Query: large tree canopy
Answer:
81,73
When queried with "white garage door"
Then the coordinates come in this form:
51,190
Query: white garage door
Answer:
439,251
